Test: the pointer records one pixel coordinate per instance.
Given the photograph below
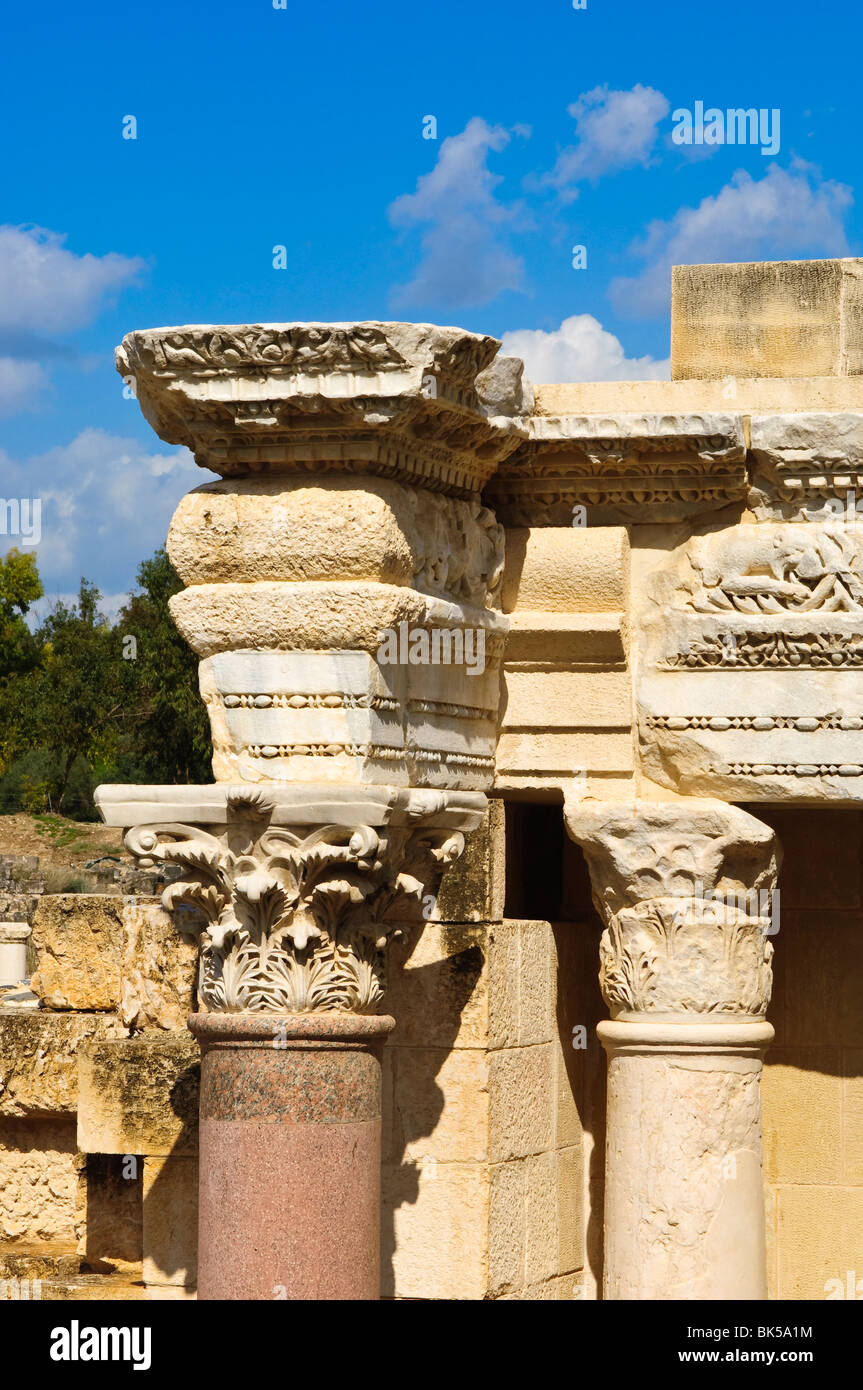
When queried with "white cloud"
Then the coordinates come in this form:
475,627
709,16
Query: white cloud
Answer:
615,130
21,383
466,257
45,289
106,505
580,350
789,214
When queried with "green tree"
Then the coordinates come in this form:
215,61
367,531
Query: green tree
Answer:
20,586
167,732
72,701
83,702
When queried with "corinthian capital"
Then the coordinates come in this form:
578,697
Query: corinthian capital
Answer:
298,895
686,893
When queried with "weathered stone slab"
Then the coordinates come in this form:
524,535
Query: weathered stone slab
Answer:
158,969
104,953
472,889
139,1096
39,1058
108,1288
767,319
79,940
21,1260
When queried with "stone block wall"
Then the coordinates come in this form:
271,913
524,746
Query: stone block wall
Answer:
483,1143
85,1215
492,1140
493,1144
813,1075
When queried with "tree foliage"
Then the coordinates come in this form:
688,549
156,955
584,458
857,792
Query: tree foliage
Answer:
20,586
84,700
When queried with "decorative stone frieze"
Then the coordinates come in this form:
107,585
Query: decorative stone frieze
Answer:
618,467
685,890
752,644
807,466
308,697
397,399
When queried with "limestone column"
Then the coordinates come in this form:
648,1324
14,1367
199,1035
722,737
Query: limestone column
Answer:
684,889
343,594
13,952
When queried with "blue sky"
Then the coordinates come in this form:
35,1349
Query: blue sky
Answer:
303,127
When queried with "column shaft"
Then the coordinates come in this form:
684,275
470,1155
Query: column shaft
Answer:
685,890
684,1206
290,1156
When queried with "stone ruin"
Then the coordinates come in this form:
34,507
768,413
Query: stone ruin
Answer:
387,913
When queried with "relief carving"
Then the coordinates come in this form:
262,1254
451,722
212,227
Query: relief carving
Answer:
397,400
752,640
685,891
301,347
617,466
296,919
779,570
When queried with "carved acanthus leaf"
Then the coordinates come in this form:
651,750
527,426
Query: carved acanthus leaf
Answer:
686,894
297,920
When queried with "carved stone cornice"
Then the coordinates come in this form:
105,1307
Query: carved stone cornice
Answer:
623,468
807,466
296,918
396,399
685,891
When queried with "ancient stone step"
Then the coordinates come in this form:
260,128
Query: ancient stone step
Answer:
47,1260
108,1288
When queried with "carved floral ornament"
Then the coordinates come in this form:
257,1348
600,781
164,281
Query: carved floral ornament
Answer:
302,347
296,921
675,464
409,401
687,896
686,956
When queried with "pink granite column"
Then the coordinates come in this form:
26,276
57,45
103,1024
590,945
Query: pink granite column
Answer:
294,910
290,1155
